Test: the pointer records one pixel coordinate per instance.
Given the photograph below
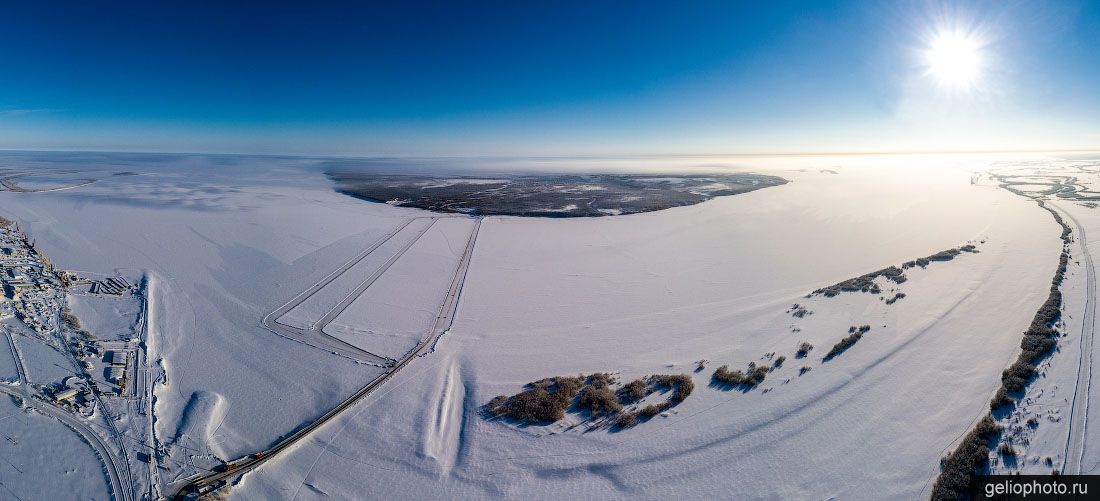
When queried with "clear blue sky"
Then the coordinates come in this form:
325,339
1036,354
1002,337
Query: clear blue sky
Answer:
543,78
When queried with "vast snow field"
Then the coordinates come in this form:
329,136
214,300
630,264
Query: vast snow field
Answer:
226,245
653,293
228,240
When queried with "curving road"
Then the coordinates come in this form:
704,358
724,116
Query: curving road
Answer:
1078,421
78,369
440,325
315,336
80,428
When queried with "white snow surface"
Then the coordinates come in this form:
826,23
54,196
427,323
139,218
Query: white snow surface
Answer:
653,293
107,316
43,364
228,246
641,294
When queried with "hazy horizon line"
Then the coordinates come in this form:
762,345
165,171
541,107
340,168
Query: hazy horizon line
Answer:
757,154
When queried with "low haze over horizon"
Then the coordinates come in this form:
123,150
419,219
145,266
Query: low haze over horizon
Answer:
538,79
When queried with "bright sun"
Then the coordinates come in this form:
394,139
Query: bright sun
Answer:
954,59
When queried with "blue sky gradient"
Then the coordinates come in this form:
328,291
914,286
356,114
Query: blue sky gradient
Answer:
541,78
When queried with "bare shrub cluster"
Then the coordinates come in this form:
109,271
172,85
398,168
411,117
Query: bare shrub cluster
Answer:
626,420
599,401
601,379
866,283
543,401
799,311
1000,399
945,255
900,295
633,391
754,376
681,386
654,409
959,467
681,383
863,283
855,333
548,400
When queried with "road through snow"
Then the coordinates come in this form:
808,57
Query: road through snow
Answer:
81,429
315,335
442,323
1075,441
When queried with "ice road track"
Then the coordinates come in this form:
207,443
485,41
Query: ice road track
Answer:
315,335
443,320
1078,419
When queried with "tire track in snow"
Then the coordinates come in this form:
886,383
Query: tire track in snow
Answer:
1078,422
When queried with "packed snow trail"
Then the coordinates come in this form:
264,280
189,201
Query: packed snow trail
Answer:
315,335
1075,441
442,323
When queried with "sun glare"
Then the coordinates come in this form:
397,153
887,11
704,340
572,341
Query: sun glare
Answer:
954,60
